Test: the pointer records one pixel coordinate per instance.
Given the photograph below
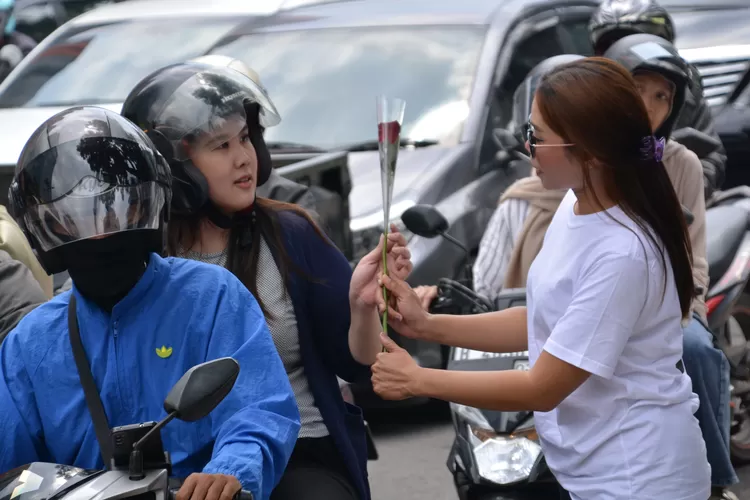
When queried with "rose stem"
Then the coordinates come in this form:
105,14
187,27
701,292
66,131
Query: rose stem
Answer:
385,270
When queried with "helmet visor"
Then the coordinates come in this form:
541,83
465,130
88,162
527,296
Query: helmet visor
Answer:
206,102
96,163
522,100
87,214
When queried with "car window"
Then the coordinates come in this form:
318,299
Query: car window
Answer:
101,64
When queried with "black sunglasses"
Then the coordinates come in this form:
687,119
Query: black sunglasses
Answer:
531,140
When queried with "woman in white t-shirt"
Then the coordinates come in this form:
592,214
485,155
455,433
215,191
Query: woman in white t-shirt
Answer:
605,300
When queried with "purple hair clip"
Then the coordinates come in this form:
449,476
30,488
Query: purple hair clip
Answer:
652,148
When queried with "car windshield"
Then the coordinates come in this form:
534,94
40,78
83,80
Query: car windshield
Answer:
101,64
324,82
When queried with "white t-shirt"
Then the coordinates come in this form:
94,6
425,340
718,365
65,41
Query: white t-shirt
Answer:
594,299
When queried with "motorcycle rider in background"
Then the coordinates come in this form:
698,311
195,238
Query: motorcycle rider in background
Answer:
13,241
93,194
19,293
615,19
658,78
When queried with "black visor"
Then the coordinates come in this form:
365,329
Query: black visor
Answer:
88,167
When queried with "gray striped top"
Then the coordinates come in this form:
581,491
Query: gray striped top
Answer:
283,326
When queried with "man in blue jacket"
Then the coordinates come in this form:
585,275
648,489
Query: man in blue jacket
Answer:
92,194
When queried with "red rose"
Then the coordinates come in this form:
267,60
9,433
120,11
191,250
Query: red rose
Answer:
390,129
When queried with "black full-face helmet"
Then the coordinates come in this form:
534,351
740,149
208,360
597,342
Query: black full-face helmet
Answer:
88,172
652,53
176,104
615,19
523,97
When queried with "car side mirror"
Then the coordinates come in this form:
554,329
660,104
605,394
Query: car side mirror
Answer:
201,389
425,221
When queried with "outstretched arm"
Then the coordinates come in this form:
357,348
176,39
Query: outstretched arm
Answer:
588,339
501,331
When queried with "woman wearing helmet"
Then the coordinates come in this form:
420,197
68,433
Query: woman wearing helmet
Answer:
208,122
92,194
662,77
276,187
615,19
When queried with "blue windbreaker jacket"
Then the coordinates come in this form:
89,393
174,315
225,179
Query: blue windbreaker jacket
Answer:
190,313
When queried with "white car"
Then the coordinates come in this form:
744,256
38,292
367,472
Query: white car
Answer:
99,56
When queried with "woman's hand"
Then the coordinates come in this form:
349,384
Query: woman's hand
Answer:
364,289
405,312
395,374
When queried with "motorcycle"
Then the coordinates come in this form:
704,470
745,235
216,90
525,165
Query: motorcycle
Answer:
141,467
496,455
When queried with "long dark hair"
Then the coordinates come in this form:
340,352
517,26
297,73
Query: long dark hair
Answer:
243,262
594,104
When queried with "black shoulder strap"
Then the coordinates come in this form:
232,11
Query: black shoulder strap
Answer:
93,401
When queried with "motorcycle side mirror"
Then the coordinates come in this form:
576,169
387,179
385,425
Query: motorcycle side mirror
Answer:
424,221
194,396
696,141
201,389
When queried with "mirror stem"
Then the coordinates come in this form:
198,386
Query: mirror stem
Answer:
455,242
156,428
460,245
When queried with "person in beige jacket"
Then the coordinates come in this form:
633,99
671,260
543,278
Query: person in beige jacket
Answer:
13,241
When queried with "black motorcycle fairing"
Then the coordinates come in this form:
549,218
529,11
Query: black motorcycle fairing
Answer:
725,229
42,481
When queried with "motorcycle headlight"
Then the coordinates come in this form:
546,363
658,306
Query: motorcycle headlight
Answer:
366,230
502,459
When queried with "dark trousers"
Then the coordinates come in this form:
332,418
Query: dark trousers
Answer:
564,495
315,472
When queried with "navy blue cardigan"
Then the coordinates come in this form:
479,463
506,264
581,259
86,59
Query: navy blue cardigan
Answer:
323,316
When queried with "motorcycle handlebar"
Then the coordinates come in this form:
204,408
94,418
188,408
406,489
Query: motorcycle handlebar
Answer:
456,298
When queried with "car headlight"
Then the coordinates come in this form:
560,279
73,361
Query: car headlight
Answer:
501,459
366,230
